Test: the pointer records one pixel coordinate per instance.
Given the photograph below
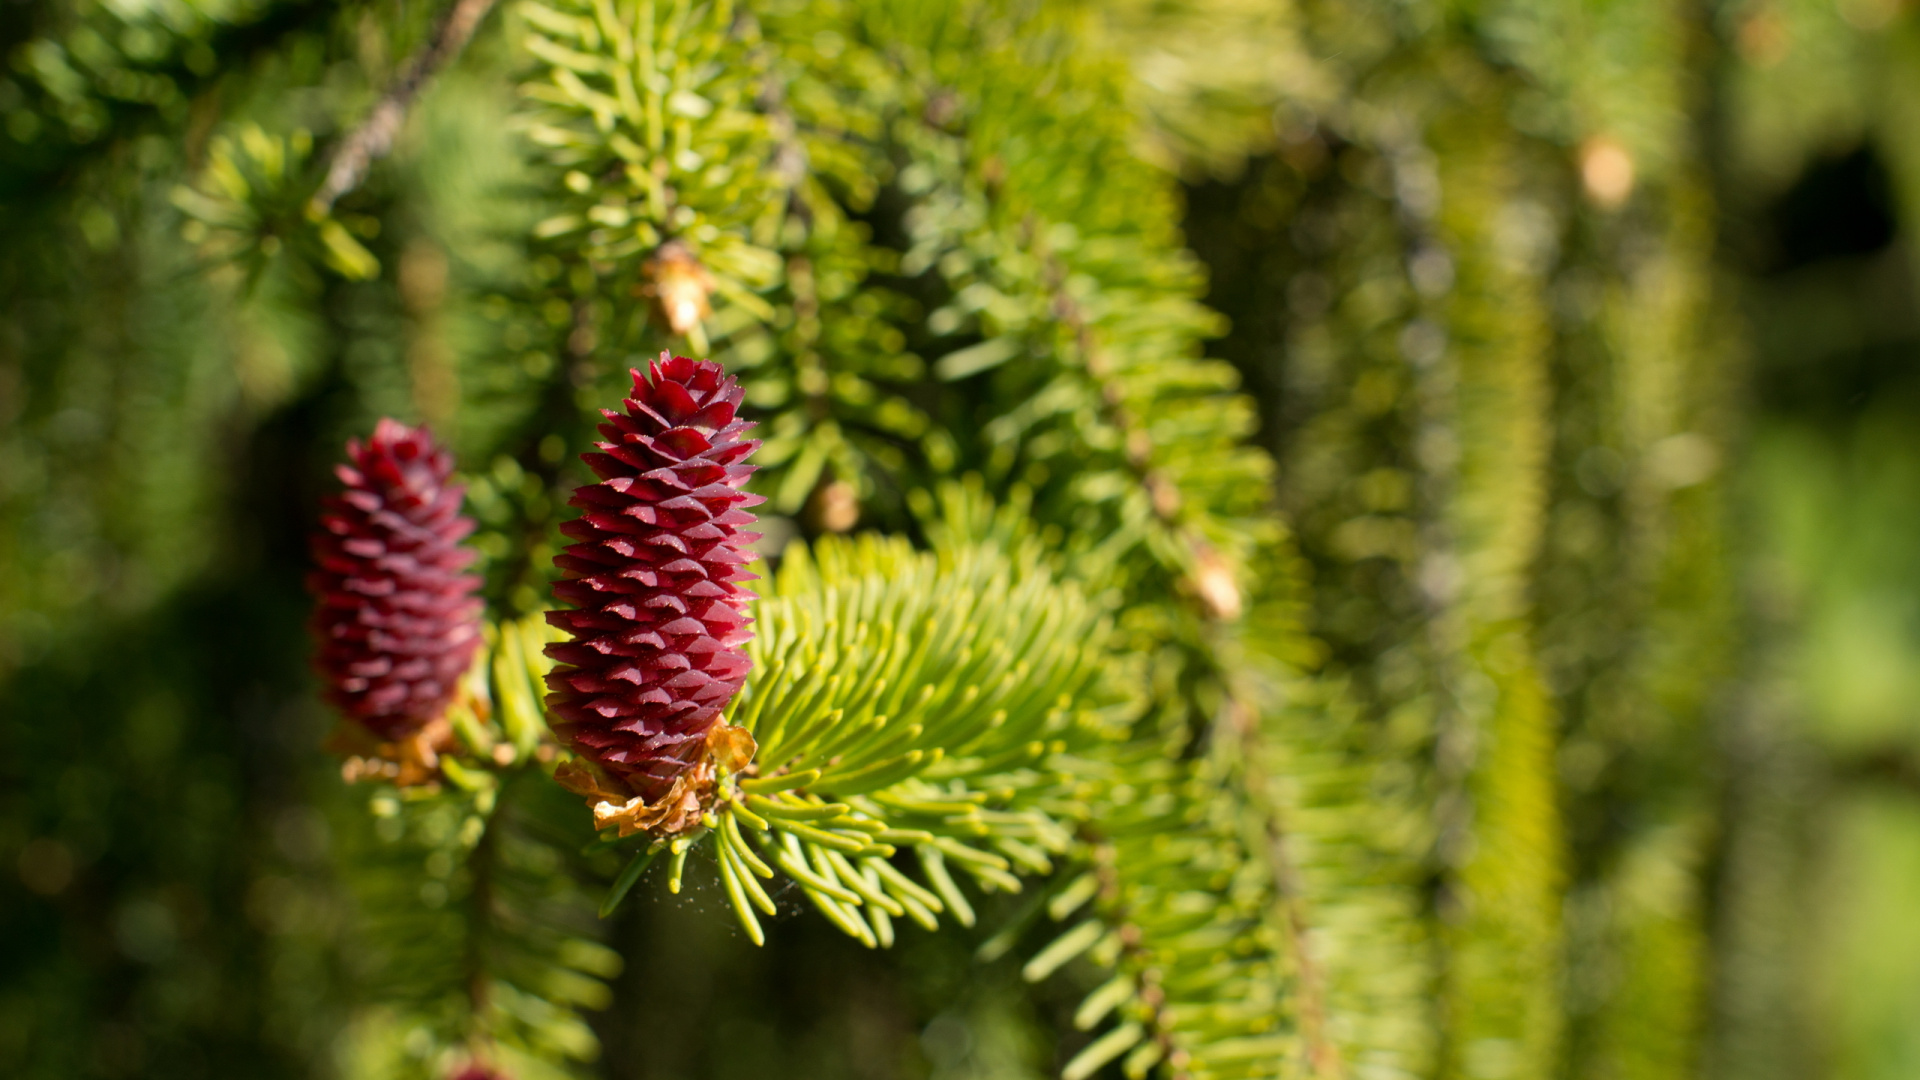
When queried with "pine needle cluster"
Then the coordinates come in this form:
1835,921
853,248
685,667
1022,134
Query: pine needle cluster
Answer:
1256,706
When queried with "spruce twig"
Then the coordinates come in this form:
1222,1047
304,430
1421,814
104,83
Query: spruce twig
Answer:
1323,1057
373,139
1162,1027
1220,606
481,863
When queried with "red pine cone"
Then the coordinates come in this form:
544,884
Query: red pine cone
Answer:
655,576
397,621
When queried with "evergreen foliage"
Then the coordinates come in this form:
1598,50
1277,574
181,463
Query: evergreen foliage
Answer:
1304,655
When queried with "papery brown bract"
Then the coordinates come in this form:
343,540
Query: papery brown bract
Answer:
660,614
397,620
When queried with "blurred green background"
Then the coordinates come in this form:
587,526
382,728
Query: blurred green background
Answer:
171,835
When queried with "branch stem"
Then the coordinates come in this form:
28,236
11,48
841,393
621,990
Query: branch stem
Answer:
373,139
480,913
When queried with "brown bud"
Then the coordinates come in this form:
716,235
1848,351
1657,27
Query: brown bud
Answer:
943,107
835,507
1165,496
679,286
993,172
1606,171
1213,580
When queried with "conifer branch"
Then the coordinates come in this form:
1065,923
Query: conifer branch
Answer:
481,864
1211,580
1206,1030
1162,1028
1212,583
1323,1055
1499,819
373,138
504,956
